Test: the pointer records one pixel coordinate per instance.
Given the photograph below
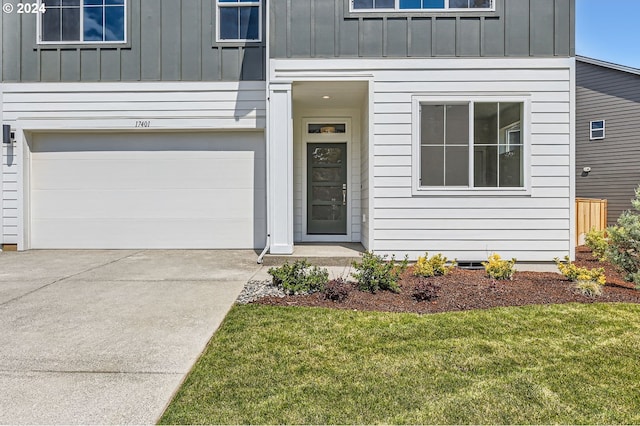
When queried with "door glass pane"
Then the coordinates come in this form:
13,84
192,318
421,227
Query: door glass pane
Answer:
457,166
485,160
327,193
432,166
511,174
327,156
326,212
326,174
485,123
432,125
327,128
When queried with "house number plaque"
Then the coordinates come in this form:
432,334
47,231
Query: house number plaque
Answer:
143,123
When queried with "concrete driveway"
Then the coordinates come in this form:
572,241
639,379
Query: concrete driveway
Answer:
107,336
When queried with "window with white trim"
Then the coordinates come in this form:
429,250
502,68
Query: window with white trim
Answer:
239,20
596,130
426,5
471,145
83,21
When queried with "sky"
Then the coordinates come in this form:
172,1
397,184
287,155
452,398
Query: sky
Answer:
609,30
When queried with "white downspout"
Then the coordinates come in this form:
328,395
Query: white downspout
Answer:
267,130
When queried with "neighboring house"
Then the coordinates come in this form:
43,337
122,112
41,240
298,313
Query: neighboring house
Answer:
405,125
607,133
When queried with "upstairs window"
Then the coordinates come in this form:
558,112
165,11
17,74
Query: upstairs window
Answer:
596,130
426,5
239,20
83,21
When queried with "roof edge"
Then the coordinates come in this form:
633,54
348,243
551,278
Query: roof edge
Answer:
606,64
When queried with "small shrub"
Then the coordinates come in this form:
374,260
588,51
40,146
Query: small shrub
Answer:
436,265
624,242
425,291
337,290
375,273
300,277
574,273
596,240
499,269
589,288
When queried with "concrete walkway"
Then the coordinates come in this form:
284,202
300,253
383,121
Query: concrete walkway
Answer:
106,337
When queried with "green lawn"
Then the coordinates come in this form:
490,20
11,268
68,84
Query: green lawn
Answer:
537,364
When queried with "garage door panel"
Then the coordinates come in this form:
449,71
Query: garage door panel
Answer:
148,191
151,203
235,172
115,144
147,234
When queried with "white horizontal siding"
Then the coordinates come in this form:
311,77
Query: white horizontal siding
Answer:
88,106
532,226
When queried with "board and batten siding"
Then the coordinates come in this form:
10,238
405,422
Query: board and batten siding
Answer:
168,40
604,93
179,106
533,227
326,29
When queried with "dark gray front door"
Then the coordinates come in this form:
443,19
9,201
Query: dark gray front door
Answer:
327,188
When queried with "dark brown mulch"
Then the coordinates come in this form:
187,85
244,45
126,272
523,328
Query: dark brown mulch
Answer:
465,290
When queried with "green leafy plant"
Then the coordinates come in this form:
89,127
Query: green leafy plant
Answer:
596,240
376,273
499,269
430,267
589,288
300,277
624,242
575,273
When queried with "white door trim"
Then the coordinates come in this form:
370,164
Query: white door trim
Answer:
307,138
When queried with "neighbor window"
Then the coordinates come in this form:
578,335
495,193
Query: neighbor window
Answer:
239,20
359,5
83,21
471,144
596,130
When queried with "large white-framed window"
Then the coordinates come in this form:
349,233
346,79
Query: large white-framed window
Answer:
421,5
596,130
470,145
239,20
82,21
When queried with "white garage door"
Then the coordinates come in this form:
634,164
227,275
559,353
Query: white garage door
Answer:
150,190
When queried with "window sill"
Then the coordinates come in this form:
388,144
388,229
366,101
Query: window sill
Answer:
77,45
467,192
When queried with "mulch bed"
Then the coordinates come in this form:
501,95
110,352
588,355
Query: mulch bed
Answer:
471,289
